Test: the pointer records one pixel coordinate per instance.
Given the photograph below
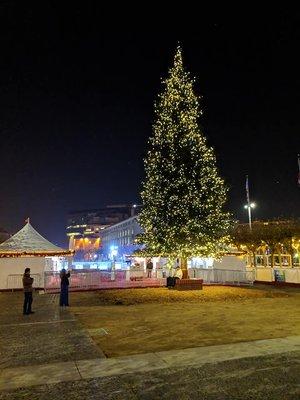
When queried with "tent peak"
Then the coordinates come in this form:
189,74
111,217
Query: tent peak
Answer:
28,240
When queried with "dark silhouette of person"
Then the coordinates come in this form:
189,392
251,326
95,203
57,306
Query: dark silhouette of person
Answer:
64,288
149,268
27,288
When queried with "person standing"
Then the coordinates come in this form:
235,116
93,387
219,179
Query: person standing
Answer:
149,268
64,288
27,287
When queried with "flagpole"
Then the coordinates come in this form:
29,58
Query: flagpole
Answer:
249,205
248,202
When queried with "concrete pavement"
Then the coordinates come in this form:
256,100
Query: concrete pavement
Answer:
48,355
51,335
13,378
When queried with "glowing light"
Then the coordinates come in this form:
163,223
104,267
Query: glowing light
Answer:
251,205
113,251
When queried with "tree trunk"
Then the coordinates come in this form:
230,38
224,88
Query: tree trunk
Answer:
280,259
184,269
254,259
292,258
272,258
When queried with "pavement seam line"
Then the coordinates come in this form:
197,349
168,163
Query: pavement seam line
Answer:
75,362
161,359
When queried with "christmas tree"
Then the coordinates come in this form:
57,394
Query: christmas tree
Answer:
183,195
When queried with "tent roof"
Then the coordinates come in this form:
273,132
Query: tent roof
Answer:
29,242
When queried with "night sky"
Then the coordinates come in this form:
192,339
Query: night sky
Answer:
76,107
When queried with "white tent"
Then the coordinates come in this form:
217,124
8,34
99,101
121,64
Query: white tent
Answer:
27,248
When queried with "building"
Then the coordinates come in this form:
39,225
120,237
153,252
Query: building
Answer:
84,227
119,240
27,248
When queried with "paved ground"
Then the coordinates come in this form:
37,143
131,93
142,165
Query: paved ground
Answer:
13,378
48,336
49,355
273,377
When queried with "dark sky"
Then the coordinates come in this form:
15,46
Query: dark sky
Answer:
76,107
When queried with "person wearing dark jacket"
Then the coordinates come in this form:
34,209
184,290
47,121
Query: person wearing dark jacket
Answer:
27,287
64,288
149,268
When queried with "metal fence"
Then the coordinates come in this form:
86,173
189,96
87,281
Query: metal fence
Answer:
221,276
90,280
121,279
15,281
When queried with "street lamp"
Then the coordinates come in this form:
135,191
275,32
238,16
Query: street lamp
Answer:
249,206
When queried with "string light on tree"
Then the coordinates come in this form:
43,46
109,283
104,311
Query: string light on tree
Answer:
183,194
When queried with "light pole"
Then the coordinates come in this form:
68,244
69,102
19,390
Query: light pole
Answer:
249,206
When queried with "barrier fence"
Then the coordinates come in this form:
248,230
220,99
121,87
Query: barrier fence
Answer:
15,281
90,280
121,279
100,280
221,276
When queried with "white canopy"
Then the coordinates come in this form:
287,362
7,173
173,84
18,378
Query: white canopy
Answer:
29,241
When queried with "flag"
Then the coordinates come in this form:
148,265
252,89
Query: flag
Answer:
247,189
299,170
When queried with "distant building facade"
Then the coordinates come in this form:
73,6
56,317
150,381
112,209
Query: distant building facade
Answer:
120,240
84,227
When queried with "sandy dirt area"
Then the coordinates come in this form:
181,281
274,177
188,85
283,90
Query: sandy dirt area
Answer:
132,321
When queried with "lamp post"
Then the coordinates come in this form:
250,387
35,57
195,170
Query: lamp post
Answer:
249,206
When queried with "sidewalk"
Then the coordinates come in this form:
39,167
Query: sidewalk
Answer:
48,336
13,378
